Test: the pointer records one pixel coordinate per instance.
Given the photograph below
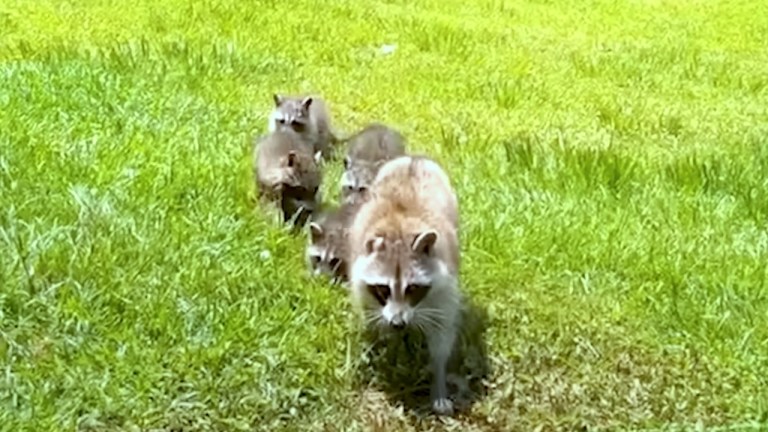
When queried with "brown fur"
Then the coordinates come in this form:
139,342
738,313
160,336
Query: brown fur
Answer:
286,173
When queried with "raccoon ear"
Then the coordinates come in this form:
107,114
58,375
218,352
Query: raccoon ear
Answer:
306,102
318,156
347,162
424,242
374,244
291,159
315,231
278,98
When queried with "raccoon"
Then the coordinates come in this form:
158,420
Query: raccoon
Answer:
308,116
367,150
404,260
327,249
287,174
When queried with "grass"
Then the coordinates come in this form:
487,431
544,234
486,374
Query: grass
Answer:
610,157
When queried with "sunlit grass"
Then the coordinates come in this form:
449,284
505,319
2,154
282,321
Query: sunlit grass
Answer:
610,157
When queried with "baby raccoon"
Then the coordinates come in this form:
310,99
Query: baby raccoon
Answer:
287,174
308,116
367,150
327,251
404,255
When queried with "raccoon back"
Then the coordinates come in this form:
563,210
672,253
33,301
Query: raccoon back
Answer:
417,183
271,154
375,143
410,194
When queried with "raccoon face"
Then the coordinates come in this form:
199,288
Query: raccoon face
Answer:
291,113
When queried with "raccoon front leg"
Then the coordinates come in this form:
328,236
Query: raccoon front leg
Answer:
440,343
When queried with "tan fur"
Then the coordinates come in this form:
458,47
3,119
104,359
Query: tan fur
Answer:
367,151
286,172
404,250
308,116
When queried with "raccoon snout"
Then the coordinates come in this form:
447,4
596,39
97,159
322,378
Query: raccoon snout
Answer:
397,323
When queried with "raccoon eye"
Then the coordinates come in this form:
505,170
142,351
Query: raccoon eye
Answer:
380,293
334,263
416,292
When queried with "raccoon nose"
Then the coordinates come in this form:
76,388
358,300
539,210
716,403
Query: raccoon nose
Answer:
398,324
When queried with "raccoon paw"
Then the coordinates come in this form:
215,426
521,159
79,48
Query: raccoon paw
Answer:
442,406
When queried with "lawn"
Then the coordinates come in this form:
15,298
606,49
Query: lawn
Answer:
610,157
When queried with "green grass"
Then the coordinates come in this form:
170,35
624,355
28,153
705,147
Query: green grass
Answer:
611,159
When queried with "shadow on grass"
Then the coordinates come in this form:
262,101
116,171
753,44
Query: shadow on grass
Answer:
397,363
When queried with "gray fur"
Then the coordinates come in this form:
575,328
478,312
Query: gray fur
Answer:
367,151
327,252
308,116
